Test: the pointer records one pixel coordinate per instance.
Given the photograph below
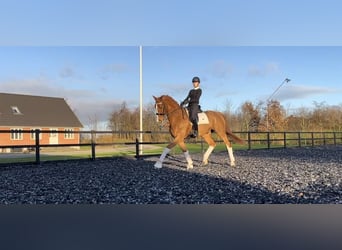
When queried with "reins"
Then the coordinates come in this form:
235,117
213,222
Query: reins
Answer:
168,113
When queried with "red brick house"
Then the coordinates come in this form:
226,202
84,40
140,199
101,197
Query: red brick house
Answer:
20,113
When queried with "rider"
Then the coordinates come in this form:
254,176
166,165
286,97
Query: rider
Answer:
193,100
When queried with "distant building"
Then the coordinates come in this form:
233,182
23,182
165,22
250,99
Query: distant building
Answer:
20,113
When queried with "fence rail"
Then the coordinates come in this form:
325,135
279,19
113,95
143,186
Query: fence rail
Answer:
254,140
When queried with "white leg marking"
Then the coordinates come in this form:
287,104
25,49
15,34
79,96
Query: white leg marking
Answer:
231,156
207,154
159,163
188,159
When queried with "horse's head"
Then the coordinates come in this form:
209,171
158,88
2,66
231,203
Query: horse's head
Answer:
165,106
160,108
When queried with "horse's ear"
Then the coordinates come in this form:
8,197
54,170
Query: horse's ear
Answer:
155,98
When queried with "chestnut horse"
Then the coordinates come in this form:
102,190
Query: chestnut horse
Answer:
180,127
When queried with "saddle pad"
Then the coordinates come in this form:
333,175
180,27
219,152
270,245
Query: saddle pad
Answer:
203,118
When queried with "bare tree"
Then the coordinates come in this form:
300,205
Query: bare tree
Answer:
250,116
93,122
299,121
275,116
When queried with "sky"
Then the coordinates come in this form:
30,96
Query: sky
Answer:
170,22
88,51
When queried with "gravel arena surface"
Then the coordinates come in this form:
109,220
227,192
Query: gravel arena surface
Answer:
278,176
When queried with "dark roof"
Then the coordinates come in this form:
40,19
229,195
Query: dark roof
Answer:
28,110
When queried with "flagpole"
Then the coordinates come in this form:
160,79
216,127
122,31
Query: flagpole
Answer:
141,103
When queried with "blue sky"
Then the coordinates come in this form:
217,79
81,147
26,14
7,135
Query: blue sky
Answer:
170,22
96,79
87,51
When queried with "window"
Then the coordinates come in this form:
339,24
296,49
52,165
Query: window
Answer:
33,134
53,133
68,133
16,111
16,134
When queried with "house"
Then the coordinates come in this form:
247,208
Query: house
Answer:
19,113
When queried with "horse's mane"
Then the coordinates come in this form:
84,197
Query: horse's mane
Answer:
169,99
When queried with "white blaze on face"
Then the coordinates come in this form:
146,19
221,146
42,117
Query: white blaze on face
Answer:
159,111
156,109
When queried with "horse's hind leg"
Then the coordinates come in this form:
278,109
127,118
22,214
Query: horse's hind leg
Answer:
186,154
229,148
231,155
210,149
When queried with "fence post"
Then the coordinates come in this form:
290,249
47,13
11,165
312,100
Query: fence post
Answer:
37,133
299,140
335,138
137,154
249,140
268,140
312,139
93,153
284,139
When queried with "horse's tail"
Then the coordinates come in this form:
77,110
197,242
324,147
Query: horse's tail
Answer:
234,137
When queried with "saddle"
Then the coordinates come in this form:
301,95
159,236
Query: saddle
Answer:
202,117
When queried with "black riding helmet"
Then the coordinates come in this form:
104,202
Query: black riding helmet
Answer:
196,79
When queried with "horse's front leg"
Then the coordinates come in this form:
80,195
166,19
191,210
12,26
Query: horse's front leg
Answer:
159,163
180,142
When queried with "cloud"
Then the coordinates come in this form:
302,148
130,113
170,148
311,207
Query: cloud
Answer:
34,86
226,94
221,69
111,69
42,86
67,72
173,89
87,110
85,103
302,91
263,70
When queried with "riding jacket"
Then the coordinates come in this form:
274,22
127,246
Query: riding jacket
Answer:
193,97
193,100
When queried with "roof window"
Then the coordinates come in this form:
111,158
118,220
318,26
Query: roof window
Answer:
16,111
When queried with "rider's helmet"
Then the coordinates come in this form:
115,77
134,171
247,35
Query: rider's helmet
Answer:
196,79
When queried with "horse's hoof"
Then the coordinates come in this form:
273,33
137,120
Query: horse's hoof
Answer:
232,164
203,164
189,166
158,164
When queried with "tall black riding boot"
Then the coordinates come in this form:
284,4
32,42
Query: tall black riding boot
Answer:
194,130
194,134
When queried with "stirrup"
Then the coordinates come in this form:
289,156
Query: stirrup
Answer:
193,134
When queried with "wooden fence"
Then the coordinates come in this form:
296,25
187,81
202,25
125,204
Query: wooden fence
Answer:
254,140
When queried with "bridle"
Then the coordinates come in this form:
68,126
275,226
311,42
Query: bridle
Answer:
156,107
163,109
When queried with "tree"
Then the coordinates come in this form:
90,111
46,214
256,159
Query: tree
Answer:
250,116
299,121
275,116
127,120
93,122
335,118
122,119
326,117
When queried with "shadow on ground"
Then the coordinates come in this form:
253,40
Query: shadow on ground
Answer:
125,180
